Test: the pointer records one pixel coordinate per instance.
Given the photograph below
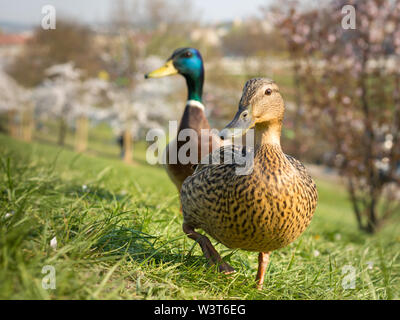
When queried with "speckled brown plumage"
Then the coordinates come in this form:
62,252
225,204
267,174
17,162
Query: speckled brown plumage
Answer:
264,210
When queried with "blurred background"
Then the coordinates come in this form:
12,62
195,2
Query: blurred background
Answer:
82,86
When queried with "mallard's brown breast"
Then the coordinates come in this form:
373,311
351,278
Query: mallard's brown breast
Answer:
194,119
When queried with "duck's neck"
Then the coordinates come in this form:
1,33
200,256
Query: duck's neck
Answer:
193,116
268,134
195,86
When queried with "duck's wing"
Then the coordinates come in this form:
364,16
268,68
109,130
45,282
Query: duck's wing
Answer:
210,187
301,169
307,182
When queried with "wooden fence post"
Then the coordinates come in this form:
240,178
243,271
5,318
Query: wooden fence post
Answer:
12,126
27,124
127,146
81,134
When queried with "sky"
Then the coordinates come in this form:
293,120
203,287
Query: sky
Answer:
90,11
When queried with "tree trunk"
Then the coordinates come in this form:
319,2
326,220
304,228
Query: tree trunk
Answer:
372,222
298,104
354,201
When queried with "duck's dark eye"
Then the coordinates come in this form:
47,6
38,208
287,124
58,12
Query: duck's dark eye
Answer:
244,115
187,54
268,92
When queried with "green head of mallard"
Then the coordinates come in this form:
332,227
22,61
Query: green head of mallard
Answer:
189,63
261,105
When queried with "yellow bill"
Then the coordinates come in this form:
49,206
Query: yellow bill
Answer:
167,69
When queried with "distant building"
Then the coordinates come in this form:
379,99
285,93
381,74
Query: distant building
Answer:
10,46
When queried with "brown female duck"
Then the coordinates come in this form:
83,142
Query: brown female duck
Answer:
262,211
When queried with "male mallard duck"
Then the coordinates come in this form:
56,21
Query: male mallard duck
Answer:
189,63
261,211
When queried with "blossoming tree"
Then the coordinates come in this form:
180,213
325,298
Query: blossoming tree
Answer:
350,86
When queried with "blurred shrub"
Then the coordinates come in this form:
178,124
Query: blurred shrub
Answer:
70,41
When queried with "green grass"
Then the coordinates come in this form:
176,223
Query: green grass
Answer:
118,231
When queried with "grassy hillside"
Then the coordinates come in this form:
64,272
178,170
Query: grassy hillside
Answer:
118,233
